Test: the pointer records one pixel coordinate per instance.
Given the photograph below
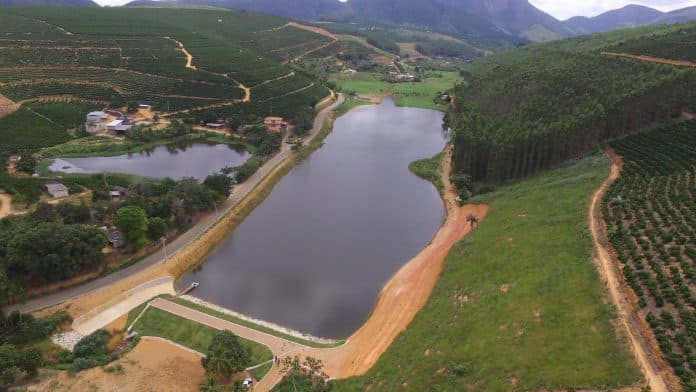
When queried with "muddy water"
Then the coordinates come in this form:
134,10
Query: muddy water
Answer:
175,161
315,254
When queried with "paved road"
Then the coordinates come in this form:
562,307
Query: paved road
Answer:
280,347
239,193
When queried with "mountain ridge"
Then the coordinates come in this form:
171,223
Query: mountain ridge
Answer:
48,3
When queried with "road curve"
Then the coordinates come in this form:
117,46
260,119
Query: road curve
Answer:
239,193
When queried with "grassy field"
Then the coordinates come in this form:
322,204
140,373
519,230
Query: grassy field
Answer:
157,322
420,94
249,324
428,169
519,303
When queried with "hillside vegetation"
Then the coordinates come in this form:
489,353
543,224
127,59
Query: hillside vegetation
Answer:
651,223
518,305
531,108
119,55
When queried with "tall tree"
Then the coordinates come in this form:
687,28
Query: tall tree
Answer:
132,221
226,355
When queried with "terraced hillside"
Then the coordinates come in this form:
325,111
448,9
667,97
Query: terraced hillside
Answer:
531,108
651,224
172,59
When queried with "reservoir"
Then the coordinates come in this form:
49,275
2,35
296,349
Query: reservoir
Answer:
175,161
315,254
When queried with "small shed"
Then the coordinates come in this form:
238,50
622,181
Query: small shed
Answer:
56,189
144,106
15,158
115,238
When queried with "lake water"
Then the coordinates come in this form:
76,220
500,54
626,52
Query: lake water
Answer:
315,254
176,161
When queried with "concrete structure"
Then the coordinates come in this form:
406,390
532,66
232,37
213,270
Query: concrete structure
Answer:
94,122
274,124
56,189
96,117
214,125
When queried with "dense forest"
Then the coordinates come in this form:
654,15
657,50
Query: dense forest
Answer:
537,106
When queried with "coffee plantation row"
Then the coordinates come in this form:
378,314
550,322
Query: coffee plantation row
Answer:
651,220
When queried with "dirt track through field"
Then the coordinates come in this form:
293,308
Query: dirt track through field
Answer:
189,65
617,290
651,59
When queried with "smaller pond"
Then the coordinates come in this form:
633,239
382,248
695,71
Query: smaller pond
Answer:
176,161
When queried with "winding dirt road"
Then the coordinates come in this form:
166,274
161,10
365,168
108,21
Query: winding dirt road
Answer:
616,288
652,59
189,65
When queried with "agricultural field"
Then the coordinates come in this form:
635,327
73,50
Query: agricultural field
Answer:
519,304
675,44
115,56
416,94
651,222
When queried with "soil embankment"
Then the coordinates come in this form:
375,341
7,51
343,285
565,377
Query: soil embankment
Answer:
618,291
153,365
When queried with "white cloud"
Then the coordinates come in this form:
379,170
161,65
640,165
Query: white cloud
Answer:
569,8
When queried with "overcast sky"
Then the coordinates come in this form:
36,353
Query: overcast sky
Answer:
564,9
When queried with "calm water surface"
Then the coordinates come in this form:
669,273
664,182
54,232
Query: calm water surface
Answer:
176,161
315,254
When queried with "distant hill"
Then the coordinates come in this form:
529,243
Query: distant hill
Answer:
48,3
487,23
628,16
497,22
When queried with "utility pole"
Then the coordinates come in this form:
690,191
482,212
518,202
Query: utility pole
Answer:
164,246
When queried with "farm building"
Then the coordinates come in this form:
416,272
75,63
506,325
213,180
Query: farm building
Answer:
55,189
119,127
96,117
94,122
274,124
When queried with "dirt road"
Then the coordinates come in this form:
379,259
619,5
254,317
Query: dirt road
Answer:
651,59
5,205
7,106
189,65
616,287
398,303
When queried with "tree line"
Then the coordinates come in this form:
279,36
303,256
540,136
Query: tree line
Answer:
548,105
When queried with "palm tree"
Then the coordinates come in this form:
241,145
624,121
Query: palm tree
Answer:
472,219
